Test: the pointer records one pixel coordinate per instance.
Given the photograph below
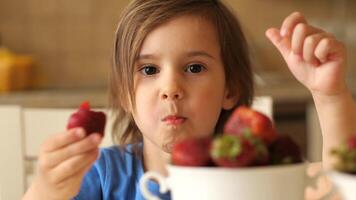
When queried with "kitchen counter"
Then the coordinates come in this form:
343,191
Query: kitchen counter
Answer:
98,97
283,88
56,98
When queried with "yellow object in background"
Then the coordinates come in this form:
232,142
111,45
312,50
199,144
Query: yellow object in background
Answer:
15,71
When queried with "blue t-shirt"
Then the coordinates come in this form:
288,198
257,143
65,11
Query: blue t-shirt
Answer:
116,175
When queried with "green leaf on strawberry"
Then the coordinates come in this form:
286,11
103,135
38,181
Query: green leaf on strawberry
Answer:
228,147
346,156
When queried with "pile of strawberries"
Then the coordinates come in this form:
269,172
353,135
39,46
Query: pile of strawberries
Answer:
249,139
346,156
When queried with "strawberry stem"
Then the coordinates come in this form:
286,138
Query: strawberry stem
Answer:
227,147
85,105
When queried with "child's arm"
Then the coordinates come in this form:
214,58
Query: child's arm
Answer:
64,159
318,61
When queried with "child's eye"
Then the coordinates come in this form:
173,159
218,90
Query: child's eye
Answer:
195,68
149,70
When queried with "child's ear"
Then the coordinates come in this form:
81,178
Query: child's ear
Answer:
230,100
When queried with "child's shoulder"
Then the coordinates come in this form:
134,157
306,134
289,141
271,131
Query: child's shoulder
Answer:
117,168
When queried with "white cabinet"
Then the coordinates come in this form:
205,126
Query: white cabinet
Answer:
40,123
264,104
12,182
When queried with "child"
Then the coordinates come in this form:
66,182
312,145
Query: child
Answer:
179,68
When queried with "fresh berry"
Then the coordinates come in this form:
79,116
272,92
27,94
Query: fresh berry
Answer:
192,152
284,151
246,118
351,143
91,121
346,156
233,151
262,157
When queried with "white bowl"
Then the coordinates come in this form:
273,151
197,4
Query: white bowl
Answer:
278,182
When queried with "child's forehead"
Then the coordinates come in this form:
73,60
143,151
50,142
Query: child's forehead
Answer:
189,32
192,20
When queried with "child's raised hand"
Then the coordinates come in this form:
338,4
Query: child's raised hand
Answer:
314,56
64,159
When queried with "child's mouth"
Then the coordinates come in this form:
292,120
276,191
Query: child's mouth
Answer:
174,120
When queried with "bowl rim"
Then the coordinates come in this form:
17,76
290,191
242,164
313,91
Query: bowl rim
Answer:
240,169
334,172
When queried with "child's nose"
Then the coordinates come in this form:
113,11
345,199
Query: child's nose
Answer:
171,96
171,91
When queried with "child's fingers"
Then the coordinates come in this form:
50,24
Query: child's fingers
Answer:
301,31
54,158
281,43
310,45
290,22
327,47
62,139
73,166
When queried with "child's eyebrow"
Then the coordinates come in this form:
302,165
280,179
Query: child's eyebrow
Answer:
145,56
199,53
189,54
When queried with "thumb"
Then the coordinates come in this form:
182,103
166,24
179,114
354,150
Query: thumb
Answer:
283,44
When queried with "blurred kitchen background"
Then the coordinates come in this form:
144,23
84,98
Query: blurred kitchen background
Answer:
65,47
61,50
56,53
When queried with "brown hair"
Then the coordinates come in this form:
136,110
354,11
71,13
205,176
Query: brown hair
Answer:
142,16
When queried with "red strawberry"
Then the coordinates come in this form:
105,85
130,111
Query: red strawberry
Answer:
192,152
233,151
284,151
351,143
91,121
244,117
262,153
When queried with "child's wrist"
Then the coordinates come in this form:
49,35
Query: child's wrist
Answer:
333,98
32,192
38,192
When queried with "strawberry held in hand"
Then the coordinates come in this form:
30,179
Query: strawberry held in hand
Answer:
91,121
192,152
244,118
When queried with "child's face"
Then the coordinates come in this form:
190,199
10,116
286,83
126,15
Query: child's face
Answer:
179,82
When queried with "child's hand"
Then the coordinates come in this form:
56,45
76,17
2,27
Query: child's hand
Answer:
314,57
64,159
